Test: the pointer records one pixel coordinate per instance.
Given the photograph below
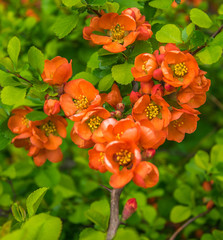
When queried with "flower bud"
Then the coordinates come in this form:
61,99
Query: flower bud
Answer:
158,90
146,87
118,114
120,107
51,107
129,208
206,186
158,74
134,96
169,88
210,205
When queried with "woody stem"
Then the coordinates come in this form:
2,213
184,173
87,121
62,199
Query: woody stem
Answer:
114,220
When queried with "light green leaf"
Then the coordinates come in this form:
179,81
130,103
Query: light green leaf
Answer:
112,7
169,33
149,213
91,234
14,49
99,214
105,83
202,159
70,3
218,40
183,194
36,116
179,214
122,73
36,59
7,63
207,236
217,154
220,9
87,76
210,54
187,32
65,24
10,95
218,235
200,18
93,61
18,212
34,199
161,4
142,47
126,233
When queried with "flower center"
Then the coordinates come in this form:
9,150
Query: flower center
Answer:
177,123
117,32
118,136
81,102
49,128
144,67
101,158
25,121
180,69
152,111
123,157
94,123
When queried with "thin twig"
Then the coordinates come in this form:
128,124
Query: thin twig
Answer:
19,76
94,11
108,189
187,223
216,101
203,46
114,220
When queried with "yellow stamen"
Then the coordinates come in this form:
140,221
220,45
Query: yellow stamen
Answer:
101,158
144,67
25,121
81,102
123,157
118,136
178,123
49,128
152,111
180,69
94,123
117,32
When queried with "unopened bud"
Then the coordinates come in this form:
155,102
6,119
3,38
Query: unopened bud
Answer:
210,205
129,208
148,154
158,90
51,107
206,186
169,88
120,107
134,96
118,114
146,87
18,212
160,58
112,114
158,74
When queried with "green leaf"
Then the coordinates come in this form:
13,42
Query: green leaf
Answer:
220,9
210,54
93,61
187,32
18,212
99,214
169,33
34,199
207,236
183,194
36,59
7,63
112,7
161,4
217,154
70,3
97,2
91,234
202,159
126,233
200,18
218,235
105,83
87,76
36,116
14,49
149,214
10,95
39,227
142,47
218,40
65,24
179,214
219,136
122,73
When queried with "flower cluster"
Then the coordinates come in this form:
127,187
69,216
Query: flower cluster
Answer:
118,31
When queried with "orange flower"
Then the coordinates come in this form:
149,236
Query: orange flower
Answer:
53,156
119,30
149,137
80,142
112,98
90,125
57,71
183,121
179,69
146,175
47,133
145,64
51,107
87,31
79,98
121,158
31,13
154,109
96,158
18,123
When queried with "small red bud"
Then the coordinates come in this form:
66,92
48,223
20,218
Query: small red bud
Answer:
134,96
146,87
158,90
51,107
206,186
129,208
160,58
210,205
169,88
148,153
158,74
118,114
120,107
112,114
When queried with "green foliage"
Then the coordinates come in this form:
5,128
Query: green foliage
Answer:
169,33
36,59
180,213
200,18
161,4
105,83
9,91
14,49
210,54
90,234
36,116
122,73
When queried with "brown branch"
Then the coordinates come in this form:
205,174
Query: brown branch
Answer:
94,11
216,101
187,223
19,76
203,46
114,220
108,189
